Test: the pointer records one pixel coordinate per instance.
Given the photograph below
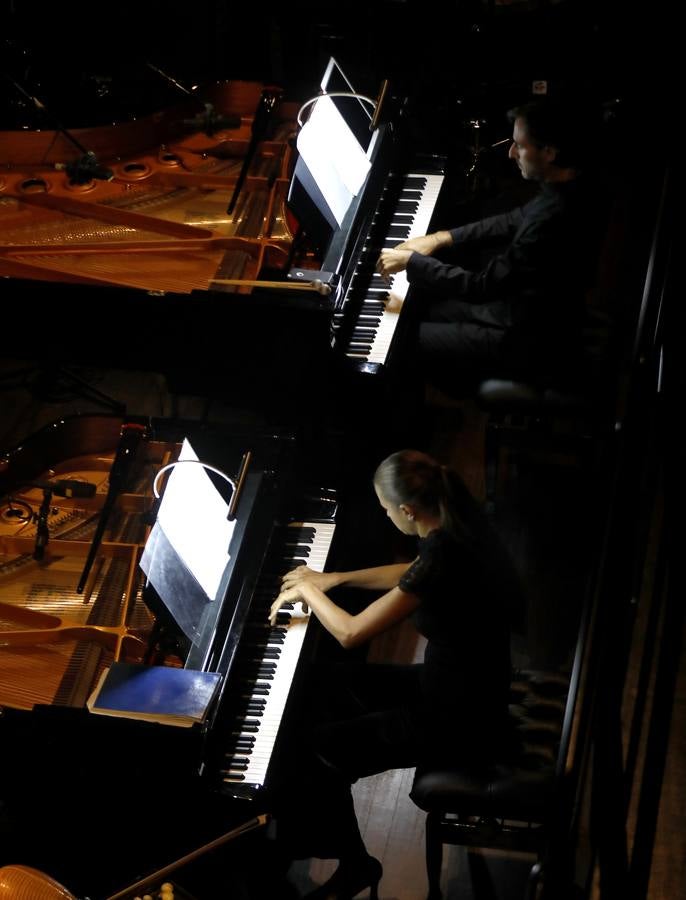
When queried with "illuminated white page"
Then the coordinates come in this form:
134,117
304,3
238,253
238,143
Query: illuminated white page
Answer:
333,155
193,515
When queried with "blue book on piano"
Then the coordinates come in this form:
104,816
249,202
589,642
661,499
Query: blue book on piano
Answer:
154,693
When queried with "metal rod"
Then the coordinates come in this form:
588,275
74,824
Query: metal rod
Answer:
318,286
240,480
206,848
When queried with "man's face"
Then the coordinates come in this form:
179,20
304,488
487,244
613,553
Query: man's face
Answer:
534,162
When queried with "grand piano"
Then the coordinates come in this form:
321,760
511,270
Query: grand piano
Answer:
99,802
179,243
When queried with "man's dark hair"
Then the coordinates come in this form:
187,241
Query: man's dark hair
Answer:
567,125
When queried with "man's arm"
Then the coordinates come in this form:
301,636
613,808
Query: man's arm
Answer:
396,259
500,226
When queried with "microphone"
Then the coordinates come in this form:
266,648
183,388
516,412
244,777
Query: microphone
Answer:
67,487
210,121
85,168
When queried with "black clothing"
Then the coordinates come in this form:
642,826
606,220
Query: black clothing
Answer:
369,718
466,673
462,685
523,311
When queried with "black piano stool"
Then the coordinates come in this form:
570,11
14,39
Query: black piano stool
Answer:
507,804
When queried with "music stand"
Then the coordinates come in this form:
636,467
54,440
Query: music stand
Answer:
187,553
334,148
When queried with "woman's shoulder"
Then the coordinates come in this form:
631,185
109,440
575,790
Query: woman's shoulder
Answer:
442,545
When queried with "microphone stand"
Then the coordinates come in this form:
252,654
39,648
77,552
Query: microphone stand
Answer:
131,435
42,531
265,108
86,167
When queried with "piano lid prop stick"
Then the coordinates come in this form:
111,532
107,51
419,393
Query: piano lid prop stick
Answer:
379,105
251,825
263,113
318,286
240,481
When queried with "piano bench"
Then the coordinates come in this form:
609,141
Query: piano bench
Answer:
554,417
507,804
539,418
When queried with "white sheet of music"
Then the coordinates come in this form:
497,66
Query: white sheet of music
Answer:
193,516
333,155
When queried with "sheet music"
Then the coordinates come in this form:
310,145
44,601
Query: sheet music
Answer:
193,516
333,155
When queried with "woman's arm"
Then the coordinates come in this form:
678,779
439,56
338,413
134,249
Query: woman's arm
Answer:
349,630
378,578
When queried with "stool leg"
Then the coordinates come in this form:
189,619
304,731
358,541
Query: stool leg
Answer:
534,881
434,855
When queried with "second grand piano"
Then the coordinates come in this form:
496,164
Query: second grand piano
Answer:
150,271
98,801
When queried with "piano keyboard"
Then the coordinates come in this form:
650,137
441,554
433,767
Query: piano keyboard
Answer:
269,656
375,323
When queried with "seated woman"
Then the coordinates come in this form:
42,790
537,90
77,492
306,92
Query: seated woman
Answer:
367,718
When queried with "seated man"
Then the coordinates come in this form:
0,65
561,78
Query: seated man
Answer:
520,312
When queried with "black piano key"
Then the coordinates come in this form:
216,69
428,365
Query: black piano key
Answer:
262,631
303,535
240,745
257,672
415,181
250,710
399,231
407,206
262,667
362,334
247,726
276,640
